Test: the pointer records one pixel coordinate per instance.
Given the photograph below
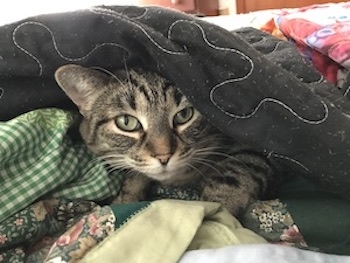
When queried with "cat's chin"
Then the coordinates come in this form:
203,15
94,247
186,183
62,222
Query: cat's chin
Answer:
178,176
163,175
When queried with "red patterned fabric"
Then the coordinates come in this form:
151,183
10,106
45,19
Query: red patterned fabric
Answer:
322,34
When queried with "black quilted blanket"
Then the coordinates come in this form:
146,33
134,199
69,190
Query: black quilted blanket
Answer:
254,87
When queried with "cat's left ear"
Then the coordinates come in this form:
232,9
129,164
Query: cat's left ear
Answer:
82,85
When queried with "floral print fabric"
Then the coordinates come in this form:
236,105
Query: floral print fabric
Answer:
65,230
271,220
83,236
35,228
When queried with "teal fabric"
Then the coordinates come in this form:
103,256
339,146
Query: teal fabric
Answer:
125,211
323,218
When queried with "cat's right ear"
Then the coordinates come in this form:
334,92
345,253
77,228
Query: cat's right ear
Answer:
82,85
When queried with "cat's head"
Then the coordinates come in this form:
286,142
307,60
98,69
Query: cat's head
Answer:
136,120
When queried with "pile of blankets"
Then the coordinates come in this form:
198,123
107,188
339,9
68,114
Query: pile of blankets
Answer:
55,193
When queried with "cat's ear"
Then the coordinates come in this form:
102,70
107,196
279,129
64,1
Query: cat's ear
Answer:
82,85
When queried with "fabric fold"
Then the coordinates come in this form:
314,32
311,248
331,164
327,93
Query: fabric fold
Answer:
168,228
38,158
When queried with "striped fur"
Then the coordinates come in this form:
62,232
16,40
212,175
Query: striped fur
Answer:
137,121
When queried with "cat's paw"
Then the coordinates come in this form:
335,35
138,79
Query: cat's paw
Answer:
234,200
134,189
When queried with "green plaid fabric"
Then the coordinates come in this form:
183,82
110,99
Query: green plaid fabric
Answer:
38,159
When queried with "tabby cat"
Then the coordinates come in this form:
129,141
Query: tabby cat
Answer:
138,121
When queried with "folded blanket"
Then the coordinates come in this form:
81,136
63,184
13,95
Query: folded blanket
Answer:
165,229
68,230
321,33
38,158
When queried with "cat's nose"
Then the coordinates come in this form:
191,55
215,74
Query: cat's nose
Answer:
163,158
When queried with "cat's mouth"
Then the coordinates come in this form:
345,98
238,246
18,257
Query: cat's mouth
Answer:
176,171
179,176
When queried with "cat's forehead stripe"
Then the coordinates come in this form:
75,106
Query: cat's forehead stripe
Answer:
131,101
142,89
178,97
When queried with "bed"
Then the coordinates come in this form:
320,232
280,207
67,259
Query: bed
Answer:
54,203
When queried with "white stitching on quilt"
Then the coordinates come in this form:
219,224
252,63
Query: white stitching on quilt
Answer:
321,79
102,11
204,36
207,41
279,156
346,92
24,50
276,46
246,116
314,122
114,12
54,42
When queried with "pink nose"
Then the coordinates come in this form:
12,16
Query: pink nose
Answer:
163,158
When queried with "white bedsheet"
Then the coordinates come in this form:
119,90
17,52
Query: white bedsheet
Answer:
260,254
253,19
15,10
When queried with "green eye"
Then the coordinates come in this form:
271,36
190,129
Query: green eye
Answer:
127,123
183,116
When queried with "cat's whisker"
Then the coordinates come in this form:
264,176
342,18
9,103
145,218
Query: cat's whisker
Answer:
96,160
120,163
135,173
119,168
196,169
207,160
206,151
216,153
106,156
231,157
112,158
99,161
206,163
110,74
115,163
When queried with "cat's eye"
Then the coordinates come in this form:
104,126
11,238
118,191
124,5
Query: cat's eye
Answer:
183,116
128,123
